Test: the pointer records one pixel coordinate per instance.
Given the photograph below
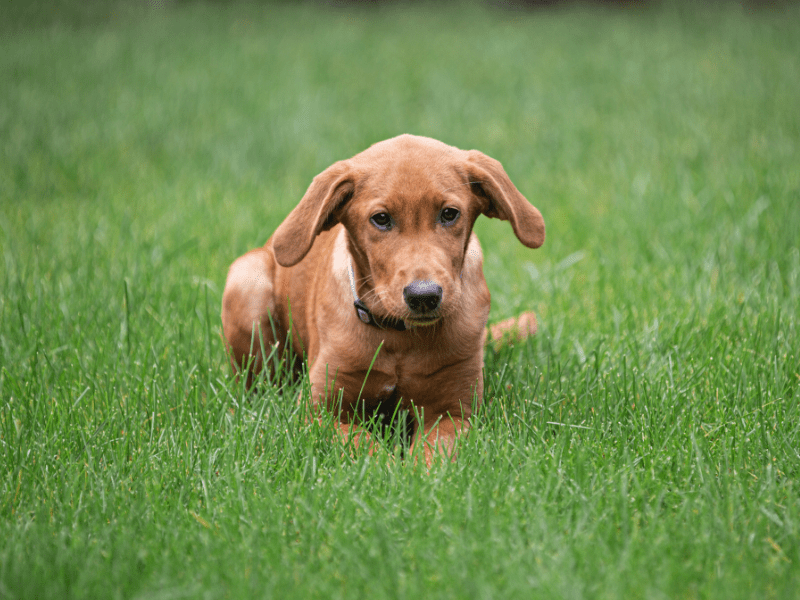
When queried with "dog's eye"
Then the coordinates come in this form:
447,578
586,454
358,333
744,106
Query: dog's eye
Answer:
448,216
382,220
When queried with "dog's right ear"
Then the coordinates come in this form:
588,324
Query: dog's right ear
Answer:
317,211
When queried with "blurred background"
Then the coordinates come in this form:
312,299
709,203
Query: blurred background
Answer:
659,139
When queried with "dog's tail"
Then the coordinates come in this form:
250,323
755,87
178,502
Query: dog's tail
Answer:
512,330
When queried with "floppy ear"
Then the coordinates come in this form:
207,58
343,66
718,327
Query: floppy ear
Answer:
315,213
490,181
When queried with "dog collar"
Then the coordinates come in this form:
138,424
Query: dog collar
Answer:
364,315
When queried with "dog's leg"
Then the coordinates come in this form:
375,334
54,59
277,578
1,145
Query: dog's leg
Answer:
356,439
439,437
515,329
247,304
329,388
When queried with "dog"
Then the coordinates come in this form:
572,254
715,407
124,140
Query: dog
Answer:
376,277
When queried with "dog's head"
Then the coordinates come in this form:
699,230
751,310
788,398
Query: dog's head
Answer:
408,205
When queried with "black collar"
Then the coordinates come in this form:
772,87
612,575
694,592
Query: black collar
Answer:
364,315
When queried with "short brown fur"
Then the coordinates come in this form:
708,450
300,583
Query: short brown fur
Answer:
434,367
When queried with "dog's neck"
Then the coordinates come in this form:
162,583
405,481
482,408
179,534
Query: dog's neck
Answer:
364,314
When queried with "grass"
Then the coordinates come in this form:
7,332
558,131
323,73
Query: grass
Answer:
643,445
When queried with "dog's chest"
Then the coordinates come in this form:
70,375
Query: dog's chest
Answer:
404,374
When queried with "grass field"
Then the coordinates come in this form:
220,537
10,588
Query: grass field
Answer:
644,445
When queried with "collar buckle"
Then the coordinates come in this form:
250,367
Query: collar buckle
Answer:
363,313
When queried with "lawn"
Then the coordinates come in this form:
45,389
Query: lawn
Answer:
644,445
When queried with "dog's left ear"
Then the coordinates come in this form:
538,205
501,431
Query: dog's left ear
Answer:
490,181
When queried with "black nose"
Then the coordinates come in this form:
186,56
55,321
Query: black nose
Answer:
422,296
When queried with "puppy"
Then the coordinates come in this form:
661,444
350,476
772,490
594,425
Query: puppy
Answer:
378,262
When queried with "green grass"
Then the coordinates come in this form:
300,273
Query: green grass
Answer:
643,445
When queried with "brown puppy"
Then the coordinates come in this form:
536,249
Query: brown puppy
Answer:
380,253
